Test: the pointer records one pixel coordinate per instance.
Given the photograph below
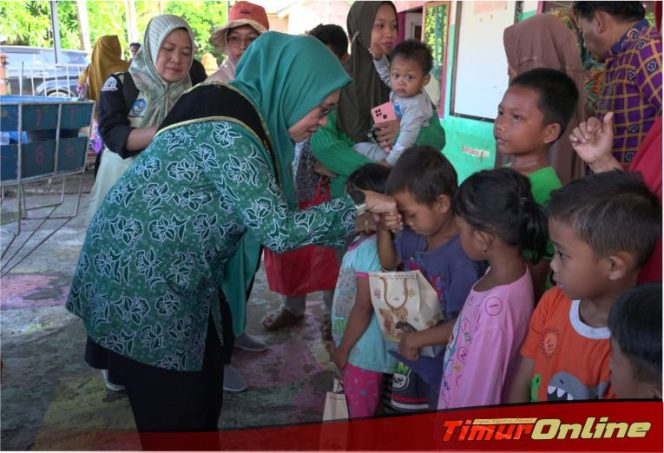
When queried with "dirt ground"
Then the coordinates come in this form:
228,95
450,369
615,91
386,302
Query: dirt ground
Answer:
51,400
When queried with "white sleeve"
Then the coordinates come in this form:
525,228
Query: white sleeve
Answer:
415,114
383,69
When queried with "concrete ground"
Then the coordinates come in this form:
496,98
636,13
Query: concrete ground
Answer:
51,400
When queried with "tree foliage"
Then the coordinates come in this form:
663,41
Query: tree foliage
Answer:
203,16
28,22
435,33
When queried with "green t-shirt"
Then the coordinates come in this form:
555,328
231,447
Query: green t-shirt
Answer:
542,183
334,149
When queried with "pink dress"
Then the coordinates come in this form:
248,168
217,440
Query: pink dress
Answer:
480,359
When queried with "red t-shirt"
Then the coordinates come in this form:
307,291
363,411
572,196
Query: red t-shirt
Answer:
571,358
648,162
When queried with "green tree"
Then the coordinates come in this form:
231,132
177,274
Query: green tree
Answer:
70,37
108,18
28,22
435,33
203,16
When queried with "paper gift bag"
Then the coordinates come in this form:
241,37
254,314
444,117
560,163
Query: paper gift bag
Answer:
334,436
404,302
336,407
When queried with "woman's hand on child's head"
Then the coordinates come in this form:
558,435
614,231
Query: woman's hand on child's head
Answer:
379,203
408,347
386,133
340,358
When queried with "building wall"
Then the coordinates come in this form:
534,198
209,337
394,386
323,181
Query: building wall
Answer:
299,16
310,13
470,145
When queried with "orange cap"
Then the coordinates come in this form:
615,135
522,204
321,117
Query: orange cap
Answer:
242,13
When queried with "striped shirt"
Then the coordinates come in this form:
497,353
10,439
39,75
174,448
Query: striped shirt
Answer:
633,88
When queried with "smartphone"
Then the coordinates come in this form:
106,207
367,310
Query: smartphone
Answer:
383,113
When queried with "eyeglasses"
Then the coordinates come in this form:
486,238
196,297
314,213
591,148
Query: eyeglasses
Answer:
236,41
326,111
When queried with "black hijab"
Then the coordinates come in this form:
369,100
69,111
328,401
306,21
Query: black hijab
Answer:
367,89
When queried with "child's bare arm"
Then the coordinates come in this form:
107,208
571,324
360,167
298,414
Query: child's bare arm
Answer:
358,321
411,343
520,391
385,241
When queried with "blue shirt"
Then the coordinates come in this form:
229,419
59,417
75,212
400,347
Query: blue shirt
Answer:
447,268
370,351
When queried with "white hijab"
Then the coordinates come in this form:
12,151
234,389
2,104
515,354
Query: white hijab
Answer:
159,94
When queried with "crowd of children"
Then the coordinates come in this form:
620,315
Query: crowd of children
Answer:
537,282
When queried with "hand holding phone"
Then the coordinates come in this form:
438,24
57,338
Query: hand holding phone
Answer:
383,113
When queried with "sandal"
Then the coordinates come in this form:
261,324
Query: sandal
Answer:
280,318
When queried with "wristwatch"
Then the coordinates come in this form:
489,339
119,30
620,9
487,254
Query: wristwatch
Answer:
360,200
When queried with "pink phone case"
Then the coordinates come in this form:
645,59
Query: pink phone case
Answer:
383,113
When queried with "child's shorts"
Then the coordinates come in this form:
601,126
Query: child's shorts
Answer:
411,393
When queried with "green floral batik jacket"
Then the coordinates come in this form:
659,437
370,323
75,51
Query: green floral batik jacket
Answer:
153,257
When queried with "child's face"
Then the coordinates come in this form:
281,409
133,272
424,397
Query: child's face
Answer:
624,382
519,127
406,77
469,240
576,268
423,219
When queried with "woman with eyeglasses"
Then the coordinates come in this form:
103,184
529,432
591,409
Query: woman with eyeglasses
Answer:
154,259
246,21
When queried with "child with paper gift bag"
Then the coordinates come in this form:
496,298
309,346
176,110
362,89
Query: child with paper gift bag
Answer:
360,353
498,220
423,182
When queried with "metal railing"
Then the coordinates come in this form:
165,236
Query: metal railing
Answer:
45,79
46,160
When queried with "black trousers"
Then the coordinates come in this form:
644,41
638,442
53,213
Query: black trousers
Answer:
167,401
